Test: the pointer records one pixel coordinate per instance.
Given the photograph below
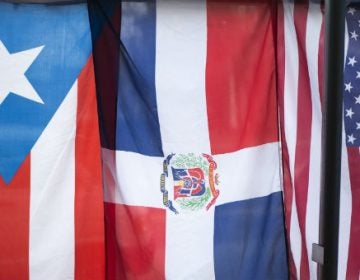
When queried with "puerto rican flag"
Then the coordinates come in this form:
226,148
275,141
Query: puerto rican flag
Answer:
194,77
51,210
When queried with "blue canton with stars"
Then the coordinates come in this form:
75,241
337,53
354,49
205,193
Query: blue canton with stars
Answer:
58,44
352,79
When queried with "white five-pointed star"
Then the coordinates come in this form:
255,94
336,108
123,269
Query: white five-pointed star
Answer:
357,75
351,138
12,73
357,99
351,11
352,61
358,125
349,113
354,35
348,87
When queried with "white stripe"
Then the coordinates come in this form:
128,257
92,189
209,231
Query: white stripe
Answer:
345,199
346,42
313,29
52,196
181,43
345,212
248,173
137,179
290,118
110,179
245,174
189,246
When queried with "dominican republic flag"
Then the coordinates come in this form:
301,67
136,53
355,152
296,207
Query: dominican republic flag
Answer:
51,209
190,142
301,75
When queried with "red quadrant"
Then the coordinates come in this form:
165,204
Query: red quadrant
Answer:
240,75
136,247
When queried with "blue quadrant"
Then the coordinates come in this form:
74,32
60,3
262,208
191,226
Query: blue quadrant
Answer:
249,239
138,127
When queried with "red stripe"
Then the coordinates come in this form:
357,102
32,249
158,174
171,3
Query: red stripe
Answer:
136,244
302,152
89,214
14,225
240,76
321,59
288,187
114,266
353,265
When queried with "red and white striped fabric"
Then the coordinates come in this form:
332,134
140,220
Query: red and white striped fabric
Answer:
300,68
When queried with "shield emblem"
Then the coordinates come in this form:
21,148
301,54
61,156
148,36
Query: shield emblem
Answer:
193,184
188,182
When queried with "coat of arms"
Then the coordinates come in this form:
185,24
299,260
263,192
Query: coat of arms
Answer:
188,182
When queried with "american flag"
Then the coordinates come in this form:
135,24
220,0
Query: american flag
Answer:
300,68
352,132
